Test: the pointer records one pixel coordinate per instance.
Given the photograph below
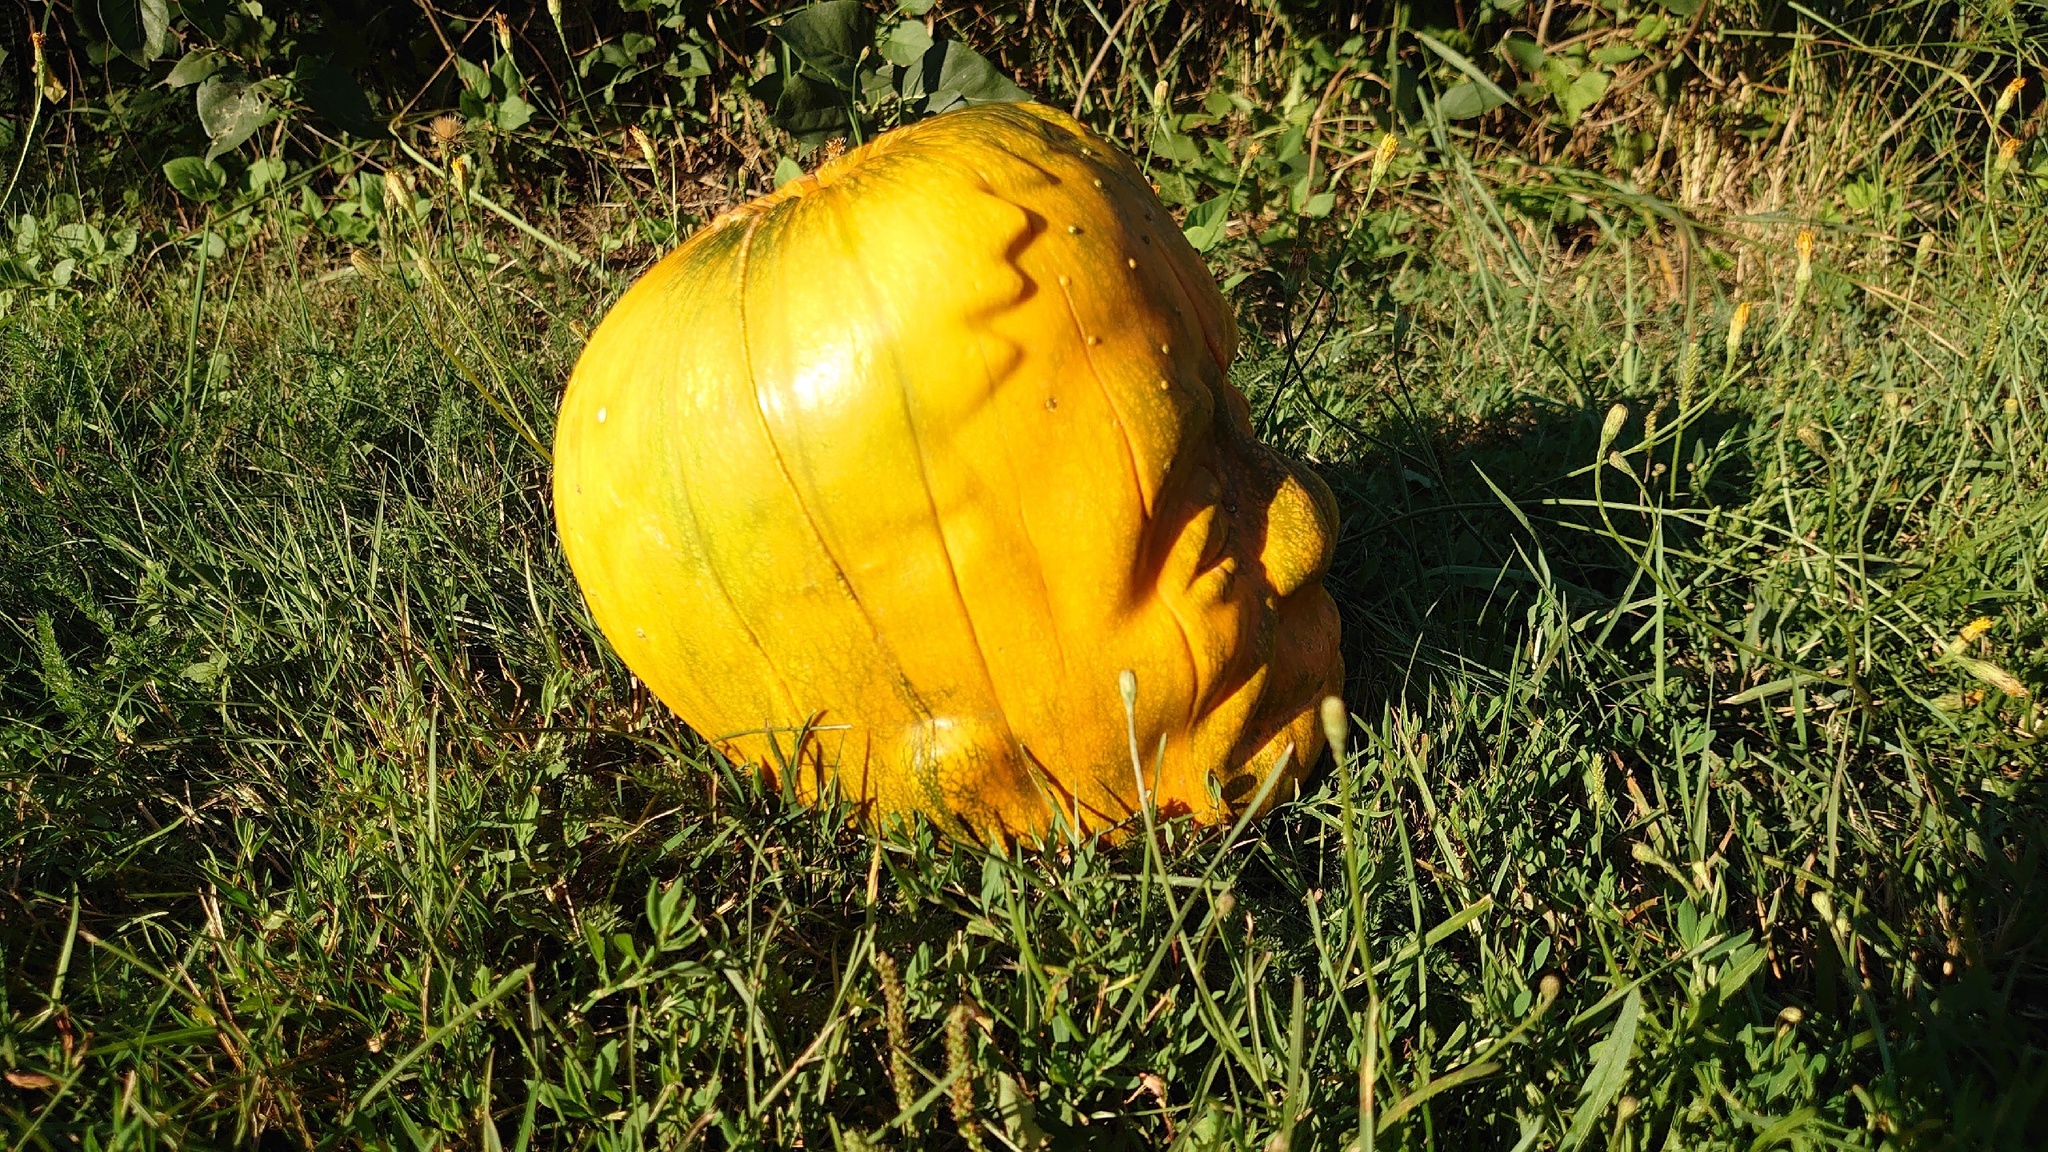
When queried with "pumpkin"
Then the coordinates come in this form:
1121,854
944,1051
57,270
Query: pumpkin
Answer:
885,478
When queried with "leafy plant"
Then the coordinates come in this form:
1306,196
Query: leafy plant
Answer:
840,73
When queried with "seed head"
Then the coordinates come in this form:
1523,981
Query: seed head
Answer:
894,1022
446,131
959,1056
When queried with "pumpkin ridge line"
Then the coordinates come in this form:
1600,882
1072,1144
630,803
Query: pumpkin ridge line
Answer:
938,521
1123,426
979,324
1145,502
704,548
914,699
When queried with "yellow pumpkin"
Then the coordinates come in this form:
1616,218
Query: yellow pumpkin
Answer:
886,477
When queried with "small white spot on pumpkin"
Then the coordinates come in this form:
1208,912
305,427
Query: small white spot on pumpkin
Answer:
1051,403
1073,229
1098,181
1064,281
1163,385
1131,262
1094,340
640,632
600,415
1166,349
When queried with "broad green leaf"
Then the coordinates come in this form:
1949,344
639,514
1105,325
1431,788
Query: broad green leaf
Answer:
1171,145
119,21
1583,93
811,110
263,172
195,178
966,77
1466,101
787,169
914,7
1525,52
213,18
1619,52
230,109
513,113
475,77
829,38
906,44
1207,222
194,66
1457,60
1610,1072
688,61
877,84
506,70
1738,974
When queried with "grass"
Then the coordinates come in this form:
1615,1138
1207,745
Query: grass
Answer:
1683,803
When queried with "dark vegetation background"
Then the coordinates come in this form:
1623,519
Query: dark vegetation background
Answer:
1678,366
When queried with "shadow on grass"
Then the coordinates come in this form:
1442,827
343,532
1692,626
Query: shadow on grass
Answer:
1529,698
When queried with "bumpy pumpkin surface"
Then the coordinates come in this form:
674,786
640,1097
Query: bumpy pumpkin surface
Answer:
888,475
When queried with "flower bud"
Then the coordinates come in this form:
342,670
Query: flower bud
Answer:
1737,324
1611,427
642,141
2012,91
1336,725
1383,155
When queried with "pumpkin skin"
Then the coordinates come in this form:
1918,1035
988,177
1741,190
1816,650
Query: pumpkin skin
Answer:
885,477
